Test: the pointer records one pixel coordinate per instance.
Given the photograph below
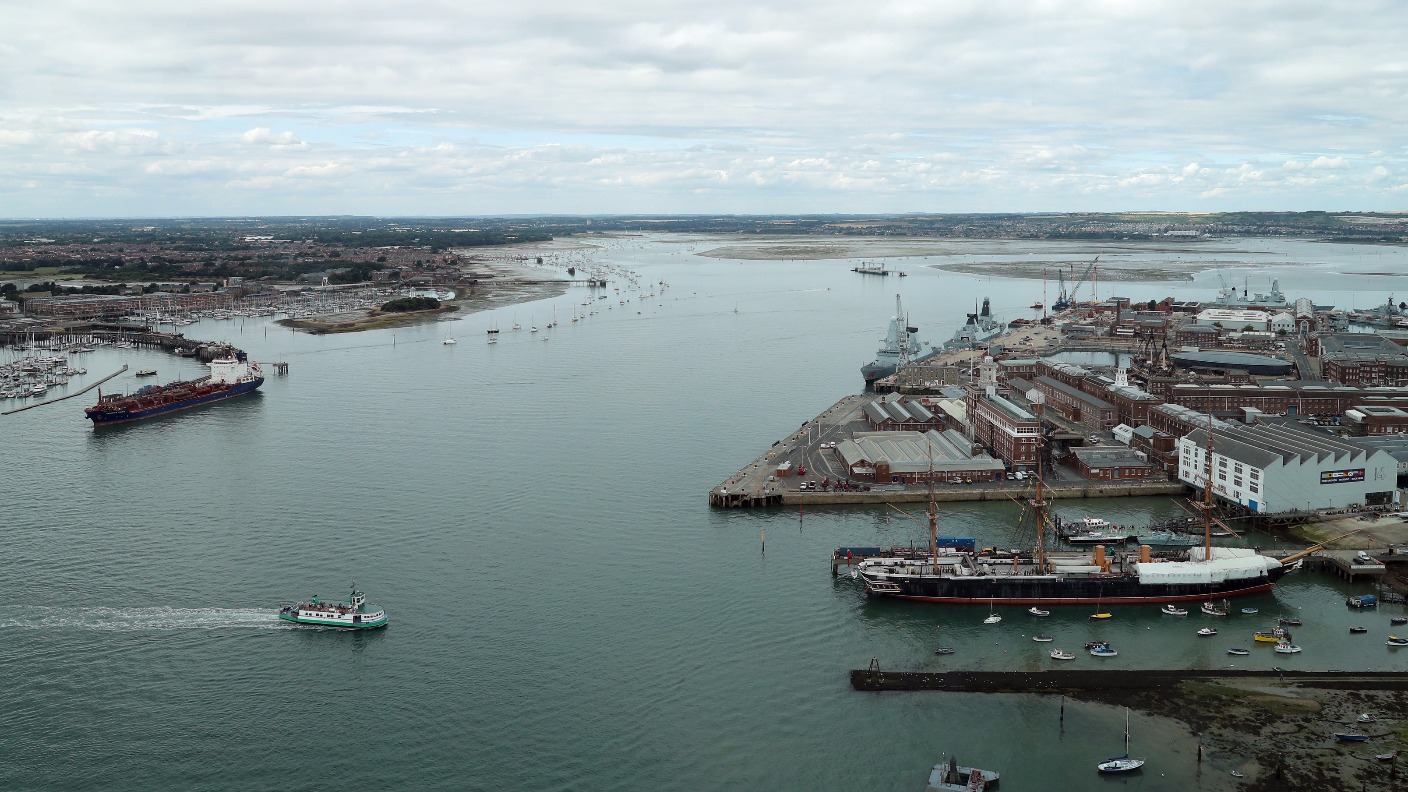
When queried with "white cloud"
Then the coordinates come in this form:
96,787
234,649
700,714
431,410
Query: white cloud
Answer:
283,141
704,106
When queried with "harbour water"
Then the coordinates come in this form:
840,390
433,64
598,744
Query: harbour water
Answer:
566,612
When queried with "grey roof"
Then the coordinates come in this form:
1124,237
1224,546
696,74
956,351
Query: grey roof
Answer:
919,411
1145,431
1395,446
1133,393
1262,444
912,452
1240,360
1357,345
1010,409
1075,392
1190,416
1108,456
875,412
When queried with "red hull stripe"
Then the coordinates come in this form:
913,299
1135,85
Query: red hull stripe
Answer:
1084,600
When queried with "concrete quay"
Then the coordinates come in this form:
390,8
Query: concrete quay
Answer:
757,484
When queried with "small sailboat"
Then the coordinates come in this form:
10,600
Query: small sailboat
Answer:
1061,654
493,339
449,341
1122,764
1035,611
992,618
493,329
1099,614
1238,651
1353,735
1173,610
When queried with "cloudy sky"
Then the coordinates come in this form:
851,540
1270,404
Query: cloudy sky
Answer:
414,107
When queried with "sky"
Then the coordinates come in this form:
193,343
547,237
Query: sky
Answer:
148,108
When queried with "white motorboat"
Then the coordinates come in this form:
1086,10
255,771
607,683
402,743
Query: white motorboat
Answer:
1035,611
1173,610
1061,654
1205,631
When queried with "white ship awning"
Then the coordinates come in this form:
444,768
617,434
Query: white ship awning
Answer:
1216,571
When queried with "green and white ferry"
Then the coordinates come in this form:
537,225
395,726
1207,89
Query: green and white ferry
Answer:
353,615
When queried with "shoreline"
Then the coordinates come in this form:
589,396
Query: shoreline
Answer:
504,285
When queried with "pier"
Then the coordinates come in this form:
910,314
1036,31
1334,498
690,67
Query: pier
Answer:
873,679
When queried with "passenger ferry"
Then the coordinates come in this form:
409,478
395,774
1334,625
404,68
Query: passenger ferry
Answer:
353,615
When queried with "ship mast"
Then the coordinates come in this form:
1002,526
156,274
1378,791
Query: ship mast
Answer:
1038,504
1206,506
933,510
1038,501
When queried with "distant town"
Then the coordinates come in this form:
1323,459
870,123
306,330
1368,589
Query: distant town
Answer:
1305,406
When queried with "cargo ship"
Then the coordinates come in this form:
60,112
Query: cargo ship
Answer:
232,374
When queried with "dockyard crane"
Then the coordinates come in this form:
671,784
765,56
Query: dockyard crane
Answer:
1063,301
1083,278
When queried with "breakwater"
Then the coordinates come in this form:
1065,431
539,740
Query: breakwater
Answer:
1061,681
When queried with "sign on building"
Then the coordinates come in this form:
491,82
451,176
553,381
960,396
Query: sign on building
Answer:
1341,476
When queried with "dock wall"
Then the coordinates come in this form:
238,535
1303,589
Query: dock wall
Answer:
971,492
1110,679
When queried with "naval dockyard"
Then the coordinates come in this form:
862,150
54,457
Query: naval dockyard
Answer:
1305,407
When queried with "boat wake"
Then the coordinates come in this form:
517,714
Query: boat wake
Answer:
40,617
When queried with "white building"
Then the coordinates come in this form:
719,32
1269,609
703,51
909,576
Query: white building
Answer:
1283,322
1281,467
1236,319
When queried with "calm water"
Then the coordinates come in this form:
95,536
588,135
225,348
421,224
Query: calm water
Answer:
566,612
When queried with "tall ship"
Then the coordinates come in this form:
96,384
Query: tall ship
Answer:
979,328
957,575
900,344
232,374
